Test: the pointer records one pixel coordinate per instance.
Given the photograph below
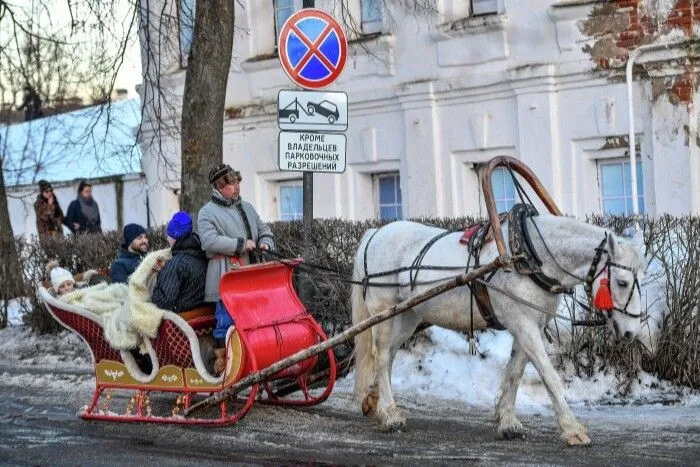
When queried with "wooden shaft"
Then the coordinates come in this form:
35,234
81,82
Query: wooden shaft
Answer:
530,178
348,334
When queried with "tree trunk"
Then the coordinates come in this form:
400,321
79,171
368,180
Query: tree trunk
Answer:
204,99
11,280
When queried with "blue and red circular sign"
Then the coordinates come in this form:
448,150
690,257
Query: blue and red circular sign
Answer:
312,48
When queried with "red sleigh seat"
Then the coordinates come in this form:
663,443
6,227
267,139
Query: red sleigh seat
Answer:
273,324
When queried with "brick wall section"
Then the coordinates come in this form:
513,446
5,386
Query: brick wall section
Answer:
622,25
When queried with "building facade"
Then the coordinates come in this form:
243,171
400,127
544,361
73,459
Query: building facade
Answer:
434,93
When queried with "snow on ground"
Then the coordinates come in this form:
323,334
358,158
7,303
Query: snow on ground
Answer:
437,365
441,366
19,345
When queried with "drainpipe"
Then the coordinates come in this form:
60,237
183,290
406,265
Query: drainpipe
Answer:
634,55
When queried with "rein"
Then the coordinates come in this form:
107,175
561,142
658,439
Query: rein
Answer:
312,268
524,256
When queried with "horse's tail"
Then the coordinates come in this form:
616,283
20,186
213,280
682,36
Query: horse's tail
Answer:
365,361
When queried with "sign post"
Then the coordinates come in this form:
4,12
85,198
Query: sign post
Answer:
313,51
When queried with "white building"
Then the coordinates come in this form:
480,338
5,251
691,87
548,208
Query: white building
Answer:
432,96
95,143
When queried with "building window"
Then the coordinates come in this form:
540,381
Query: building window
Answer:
616,186
371,11
484,7
186,9
283,10
389,196
291,201
503,189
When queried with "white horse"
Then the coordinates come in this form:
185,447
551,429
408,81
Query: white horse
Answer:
572,244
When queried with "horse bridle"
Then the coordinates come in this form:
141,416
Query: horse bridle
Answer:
592,276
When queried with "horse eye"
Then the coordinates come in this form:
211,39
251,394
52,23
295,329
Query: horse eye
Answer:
622,284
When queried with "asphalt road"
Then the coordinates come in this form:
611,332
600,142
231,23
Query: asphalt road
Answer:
38,426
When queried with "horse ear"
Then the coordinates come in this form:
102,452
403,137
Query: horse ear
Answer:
612,245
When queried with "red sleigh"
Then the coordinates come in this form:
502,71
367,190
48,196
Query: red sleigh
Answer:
271,323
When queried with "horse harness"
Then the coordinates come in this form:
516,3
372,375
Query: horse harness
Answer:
525,260
592,276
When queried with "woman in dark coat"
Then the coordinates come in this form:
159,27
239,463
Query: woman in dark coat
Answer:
180,283
83,214
49,215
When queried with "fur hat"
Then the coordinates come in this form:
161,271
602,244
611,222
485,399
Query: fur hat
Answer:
180,225
131,231
59,276
222,170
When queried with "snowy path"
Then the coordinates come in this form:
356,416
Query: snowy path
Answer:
45,379
37,421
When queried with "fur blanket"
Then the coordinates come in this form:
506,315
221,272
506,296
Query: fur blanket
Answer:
127,311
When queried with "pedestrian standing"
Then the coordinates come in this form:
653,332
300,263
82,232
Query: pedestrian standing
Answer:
49,216
83,214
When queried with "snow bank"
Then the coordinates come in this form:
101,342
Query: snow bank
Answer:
437,365
19,345
440,365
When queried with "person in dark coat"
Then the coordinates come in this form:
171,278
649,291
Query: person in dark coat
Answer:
31,104
83,214
132,251
180,283
49,216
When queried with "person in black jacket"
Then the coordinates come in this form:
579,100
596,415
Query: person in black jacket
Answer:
83,215
132,251
180,282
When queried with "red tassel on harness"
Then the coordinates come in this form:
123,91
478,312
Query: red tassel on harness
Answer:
603,298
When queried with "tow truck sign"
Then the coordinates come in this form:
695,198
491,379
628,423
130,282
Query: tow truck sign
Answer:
311,152
312,110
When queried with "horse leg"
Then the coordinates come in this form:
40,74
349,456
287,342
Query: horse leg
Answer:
388,342
390,416
365,355
573,432
508,425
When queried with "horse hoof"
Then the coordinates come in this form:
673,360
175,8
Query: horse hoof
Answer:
512,434
578,439
369,404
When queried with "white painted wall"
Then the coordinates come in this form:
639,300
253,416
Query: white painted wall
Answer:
434,95
21,203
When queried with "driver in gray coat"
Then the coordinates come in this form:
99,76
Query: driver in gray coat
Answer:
228,227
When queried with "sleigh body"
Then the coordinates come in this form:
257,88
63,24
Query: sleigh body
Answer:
270,324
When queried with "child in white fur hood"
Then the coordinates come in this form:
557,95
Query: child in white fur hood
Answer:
63,282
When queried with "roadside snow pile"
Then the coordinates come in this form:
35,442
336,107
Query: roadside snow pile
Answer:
439,365
19,345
